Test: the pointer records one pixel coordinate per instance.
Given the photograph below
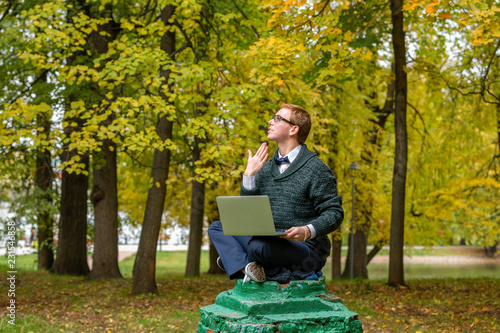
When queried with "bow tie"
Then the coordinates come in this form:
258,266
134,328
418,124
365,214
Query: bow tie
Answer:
279,161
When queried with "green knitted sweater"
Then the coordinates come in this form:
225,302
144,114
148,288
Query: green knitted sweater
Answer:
306,193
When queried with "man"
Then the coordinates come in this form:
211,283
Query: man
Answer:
304,201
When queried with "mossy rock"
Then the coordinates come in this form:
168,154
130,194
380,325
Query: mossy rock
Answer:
302,306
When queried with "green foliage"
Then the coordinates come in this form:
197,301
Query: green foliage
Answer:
235,63
468,200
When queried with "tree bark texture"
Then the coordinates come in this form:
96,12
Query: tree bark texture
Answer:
376,249
72,238
71,255
497,175
212,216
45,220
143,280
359,252
195,228
498,142
336,255
104,195
198,188
396,254
213,255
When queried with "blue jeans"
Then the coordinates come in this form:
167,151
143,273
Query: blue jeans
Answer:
268,251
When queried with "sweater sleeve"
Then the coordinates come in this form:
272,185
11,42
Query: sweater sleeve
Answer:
245,191
326,200
257,179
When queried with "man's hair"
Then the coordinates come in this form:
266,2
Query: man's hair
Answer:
300,117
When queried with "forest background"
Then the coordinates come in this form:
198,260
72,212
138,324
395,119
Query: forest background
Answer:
141,112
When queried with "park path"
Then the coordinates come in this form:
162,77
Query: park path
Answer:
125,251
124,255
121,255
463,260
460,255
465,255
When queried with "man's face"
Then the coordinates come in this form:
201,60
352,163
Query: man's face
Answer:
279,129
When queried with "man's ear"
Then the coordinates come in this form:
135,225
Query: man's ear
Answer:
294,130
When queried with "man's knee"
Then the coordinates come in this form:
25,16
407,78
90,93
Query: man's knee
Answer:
258,250
214,228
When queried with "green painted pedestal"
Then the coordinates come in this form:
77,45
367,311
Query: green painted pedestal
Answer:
303,306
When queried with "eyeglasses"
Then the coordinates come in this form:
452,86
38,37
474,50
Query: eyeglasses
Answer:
278,118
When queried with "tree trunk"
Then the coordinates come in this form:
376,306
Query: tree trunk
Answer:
143,281
105,200
214,268
374,251
196,218
104,195
71,255
396,254
198,188
359,251
497,169
490,251
213,215
45,220
336,254
498,128
195,228
72,239
360,245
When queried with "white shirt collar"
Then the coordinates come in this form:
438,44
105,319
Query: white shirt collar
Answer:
293,154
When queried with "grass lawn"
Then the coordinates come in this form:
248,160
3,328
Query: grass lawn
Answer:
51,303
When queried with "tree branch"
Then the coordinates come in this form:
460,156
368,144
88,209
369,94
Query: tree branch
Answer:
9,6
29,86
376,248
207,32
187,39
327,2
419,115
493,56
246,17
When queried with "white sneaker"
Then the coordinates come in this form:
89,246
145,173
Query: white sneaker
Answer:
254,272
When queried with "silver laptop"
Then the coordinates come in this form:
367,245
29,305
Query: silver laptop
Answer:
246,216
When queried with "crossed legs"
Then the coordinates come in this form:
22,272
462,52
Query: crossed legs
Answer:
268,251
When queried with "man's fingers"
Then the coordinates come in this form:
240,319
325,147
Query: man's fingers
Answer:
261,155
293,234
261,149
255,163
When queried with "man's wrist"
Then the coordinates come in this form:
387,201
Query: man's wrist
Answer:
307,233
312,230
249,173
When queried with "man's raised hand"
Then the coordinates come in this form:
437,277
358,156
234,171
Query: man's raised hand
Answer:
256,162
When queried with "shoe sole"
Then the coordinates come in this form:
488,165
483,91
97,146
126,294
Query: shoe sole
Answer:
256,272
